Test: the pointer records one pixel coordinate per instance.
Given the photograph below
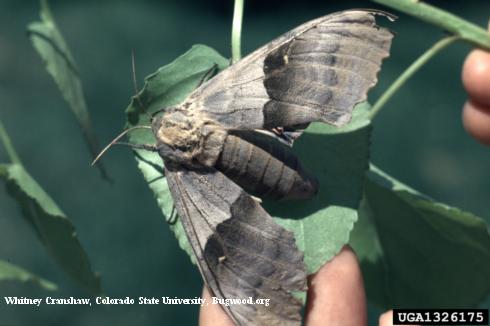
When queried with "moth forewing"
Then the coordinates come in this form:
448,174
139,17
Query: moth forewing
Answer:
316,72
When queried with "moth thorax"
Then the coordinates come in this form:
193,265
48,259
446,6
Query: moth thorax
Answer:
194,139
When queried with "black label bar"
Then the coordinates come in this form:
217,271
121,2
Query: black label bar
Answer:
440,316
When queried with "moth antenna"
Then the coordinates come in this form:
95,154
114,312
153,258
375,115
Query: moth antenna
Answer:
114,141
133,71
148,147
135,83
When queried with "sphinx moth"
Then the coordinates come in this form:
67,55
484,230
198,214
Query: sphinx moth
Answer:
231,138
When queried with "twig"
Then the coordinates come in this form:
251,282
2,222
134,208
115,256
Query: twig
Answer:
466,30
410,71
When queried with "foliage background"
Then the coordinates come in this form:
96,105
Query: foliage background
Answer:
418,138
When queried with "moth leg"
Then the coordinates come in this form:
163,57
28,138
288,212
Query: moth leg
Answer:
288,135
208,75
278,130
172,219
257,199
282,134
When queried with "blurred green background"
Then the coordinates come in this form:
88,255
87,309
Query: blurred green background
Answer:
418,138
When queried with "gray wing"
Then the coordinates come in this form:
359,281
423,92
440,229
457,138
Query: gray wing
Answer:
241,251
316,72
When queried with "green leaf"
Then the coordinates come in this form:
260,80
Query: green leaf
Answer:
415,252
51,225
49,43
9,272
339,159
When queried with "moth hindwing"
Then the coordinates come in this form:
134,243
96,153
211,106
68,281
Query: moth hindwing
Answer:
225,142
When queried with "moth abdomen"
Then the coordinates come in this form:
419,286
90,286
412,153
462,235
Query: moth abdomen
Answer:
264,167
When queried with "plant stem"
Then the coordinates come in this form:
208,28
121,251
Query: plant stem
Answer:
46,14
456,25
410,71
5,139
236,31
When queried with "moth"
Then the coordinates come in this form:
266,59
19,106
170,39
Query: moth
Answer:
231,139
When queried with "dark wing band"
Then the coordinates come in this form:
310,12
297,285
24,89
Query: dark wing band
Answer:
241,251
316,72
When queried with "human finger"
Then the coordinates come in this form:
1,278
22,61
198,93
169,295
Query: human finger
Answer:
476,77
476,80
336,293
476,120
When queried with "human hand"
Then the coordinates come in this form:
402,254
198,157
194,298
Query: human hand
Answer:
335,297
476,80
